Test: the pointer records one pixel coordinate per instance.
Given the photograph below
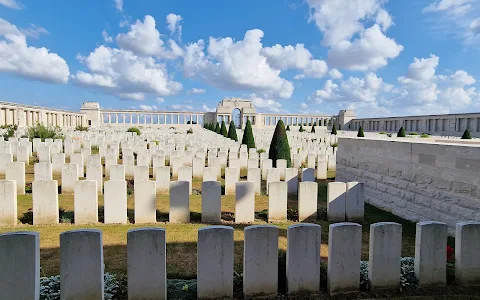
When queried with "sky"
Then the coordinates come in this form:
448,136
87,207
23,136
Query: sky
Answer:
377,57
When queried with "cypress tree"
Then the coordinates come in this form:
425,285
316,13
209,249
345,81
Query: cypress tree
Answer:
223,129
301,128
401,132
466,135
313,128
232,132
334,129
248,138
288,128
279,148
217,128
360,132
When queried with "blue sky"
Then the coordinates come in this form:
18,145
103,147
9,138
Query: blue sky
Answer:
377,57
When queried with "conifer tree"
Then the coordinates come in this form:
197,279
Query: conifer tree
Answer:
217,128
466,135
313,129
401,132
223,129
360,132
279,148
301,128
248,138
334,129
288,128
232,132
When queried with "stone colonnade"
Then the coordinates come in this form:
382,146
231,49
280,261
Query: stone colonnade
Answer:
25,115
298,120
146,117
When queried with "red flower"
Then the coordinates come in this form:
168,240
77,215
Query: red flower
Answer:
450,253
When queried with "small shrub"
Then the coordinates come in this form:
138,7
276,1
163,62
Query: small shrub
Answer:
11,130
425,135
190,131
466,135
413,133
360,132
28,188
134,129
334,145
407,274
95,149
382,132
261,151
288,128
40,131
81,128
301,129
401,132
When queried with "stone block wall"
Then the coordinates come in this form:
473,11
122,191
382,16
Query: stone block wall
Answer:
415,180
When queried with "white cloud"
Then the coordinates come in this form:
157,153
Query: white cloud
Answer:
11,4
423,69
180,107
122,73
459,17
205,108
160,100
341,20
119,5
370,51
268,105
106,37
335,74
236,65
144,39
34,31
328,92
173,22
147,107
197,91
16,57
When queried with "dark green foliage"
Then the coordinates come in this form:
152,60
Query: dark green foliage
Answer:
401,132
301,128
42,132
279,148
81,128
232,132
466,135
223,129
11,130
134,129
190,131
334,129
360,132
217,128
288,128
313,128
248,138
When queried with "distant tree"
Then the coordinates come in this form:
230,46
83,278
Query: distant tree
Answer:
313,129
223,129
288,128
334,129
248,138
232,132
301,129
217,128
466,135
279,148
401,132
360,132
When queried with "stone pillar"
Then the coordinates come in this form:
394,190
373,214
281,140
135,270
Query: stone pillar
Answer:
215,262
303,258
81,264
20,261
430,253
146,263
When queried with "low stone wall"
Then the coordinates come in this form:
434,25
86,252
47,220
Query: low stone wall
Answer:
415,180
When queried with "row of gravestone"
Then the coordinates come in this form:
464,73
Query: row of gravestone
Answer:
81,254
345,201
